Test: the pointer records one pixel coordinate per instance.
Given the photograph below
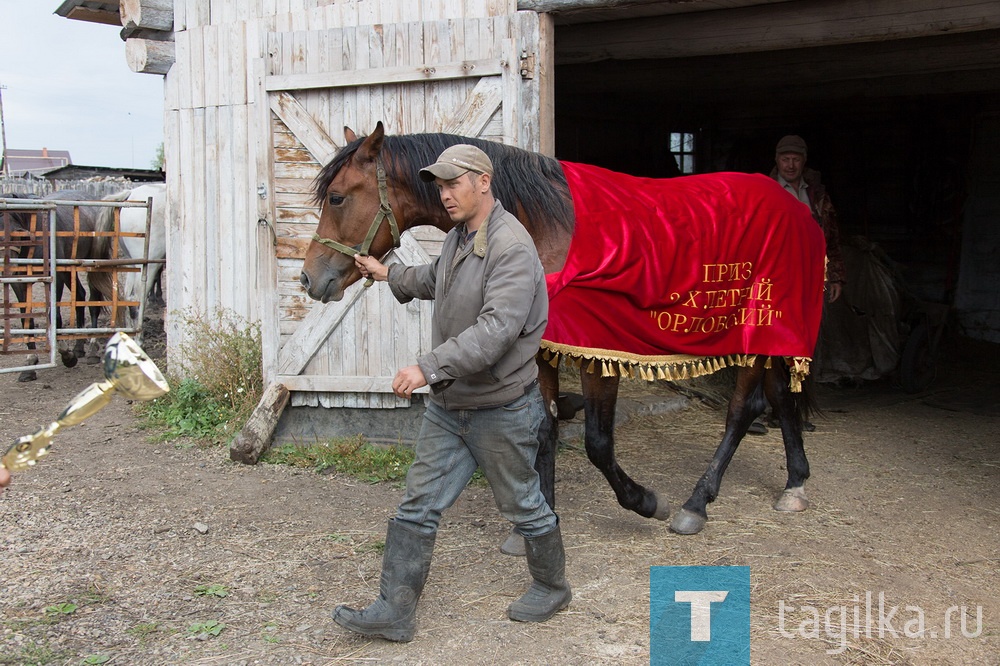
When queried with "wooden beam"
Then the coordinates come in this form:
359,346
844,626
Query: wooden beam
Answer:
305,128
556,6
650,7
149,56
341,384
92,16
256,435
772,27
721,75
475,112
151,14
384,75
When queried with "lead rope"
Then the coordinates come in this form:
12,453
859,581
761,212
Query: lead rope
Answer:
384,213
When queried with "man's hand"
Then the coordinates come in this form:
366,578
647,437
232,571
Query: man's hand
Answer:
407,380
834,289
371,267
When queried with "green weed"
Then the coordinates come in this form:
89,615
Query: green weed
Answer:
56,610
210,627
214,590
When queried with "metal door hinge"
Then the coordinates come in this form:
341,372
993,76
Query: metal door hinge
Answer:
527,64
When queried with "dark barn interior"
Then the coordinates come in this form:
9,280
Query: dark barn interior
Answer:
901,128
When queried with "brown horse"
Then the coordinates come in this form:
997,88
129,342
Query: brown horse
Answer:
370,192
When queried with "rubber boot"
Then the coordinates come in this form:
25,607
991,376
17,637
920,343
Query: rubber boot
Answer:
549,591
405,563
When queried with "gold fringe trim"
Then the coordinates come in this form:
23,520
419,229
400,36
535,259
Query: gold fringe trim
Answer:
672,367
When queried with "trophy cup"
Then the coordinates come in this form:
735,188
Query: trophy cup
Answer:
127,370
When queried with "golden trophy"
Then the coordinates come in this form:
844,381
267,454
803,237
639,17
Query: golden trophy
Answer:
127,370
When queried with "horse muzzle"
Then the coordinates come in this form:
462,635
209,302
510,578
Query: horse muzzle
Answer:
324,290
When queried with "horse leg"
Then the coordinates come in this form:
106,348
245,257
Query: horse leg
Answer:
94,351
545,459
80,347
747,404
600,395
787,410
68,356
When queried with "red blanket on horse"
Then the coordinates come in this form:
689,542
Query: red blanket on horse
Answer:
677,277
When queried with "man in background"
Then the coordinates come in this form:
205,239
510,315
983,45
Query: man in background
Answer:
805,184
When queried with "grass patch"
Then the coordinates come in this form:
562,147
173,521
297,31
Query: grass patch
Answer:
218,384
354,456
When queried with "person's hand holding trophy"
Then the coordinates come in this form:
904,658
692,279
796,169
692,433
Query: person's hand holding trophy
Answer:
127,370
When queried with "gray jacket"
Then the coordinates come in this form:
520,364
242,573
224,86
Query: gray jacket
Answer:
490,310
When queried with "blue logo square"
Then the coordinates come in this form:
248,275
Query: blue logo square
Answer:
699,615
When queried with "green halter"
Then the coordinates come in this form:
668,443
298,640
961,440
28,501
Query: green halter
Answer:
384,213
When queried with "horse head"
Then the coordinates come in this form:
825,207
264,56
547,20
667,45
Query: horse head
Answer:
357,215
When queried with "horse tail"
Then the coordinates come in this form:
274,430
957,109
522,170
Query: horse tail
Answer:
805,400
100,281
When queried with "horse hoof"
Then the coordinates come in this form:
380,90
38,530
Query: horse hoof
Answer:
687,522
514,545
793,499
662,511
29,376
90,359
68,358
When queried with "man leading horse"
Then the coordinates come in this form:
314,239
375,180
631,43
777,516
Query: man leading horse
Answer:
485,407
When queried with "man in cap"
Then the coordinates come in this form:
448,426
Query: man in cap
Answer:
805,185
491,308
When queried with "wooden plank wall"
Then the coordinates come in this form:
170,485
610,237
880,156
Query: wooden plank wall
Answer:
220,230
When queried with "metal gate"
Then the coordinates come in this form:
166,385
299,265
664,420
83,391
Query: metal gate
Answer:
32,265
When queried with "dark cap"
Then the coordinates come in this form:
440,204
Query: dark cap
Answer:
791,144
455,161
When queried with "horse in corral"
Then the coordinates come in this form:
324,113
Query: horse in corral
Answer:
133,244
725,269
74,240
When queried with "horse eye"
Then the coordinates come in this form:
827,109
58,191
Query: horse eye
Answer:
335,199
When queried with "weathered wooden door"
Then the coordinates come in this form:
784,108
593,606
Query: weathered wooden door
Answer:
474,76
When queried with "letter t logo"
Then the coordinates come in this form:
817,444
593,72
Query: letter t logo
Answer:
701,610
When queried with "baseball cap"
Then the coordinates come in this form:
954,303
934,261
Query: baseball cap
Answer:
791,144
455,161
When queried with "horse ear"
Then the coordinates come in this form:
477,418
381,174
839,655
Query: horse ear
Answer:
349,134
372,145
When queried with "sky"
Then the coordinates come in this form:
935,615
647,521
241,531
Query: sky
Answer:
66,86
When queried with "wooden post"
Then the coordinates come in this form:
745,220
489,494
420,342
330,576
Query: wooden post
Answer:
255,437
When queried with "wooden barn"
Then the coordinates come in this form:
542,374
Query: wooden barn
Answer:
898,99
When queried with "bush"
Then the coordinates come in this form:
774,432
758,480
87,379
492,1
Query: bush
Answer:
219,382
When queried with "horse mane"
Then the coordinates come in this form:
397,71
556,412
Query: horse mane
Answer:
522,180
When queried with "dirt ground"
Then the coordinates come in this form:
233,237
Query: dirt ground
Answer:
905,495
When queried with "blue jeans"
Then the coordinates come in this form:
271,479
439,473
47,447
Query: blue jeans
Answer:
503,441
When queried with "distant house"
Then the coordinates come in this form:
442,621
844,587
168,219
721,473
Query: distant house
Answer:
35,162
